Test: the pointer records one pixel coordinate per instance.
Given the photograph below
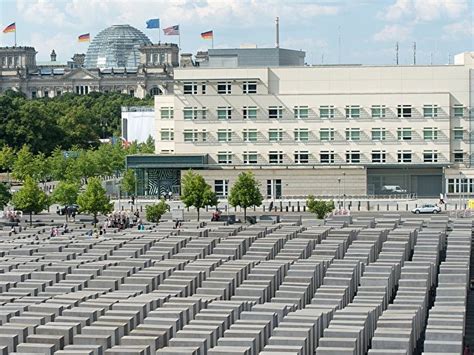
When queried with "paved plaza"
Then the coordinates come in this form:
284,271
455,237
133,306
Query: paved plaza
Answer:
371,283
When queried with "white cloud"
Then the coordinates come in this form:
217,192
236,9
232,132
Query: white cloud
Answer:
458,29
424,10
393,33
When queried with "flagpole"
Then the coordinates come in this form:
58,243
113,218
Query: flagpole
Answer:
15,34
212,40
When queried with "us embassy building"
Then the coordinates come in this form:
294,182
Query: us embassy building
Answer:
323,130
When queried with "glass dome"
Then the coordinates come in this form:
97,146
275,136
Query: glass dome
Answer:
116,47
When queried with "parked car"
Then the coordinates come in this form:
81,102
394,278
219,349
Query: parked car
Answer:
427,208
393,189
71,209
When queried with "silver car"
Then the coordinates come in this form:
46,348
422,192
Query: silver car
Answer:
427,208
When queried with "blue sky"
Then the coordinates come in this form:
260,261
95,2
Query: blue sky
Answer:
368,29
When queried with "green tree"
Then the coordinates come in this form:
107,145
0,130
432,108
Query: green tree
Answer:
94,199
30,198
245,192
129,182
7,158
25,164
196,192
5,195
155,211
319,207
65,194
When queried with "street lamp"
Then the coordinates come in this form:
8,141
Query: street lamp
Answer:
344,191
460,189
338,193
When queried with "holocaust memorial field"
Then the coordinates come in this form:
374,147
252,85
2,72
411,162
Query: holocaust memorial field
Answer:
369,285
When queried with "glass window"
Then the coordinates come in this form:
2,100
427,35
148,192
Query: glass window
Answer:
203,89
458,133
249,87
190,88
190,135
379,156
204,135
224,113
404,156
430,156
430,133
301,157
224,135
275,134
326,157
250,157
378,111
430,111
224,157
352,134
224,87
352,156
404,134
249,112
275,112
404,111
451,186
301,112
275,157
250,135
221,188
458,155
326,112
167,113
301,134
378,134
167,134
353,111
326,134
458,110
190,113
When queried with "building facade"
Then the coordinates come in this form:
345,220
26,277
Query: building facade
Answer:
325,130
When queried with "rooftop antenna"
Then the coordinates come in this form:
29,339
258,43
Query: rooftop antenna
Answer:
414,53
431,58
339,44
396,53
449,57
277,23
322,58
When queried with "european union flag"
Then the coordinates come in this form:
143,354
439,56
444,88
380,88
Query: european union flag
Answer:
153,23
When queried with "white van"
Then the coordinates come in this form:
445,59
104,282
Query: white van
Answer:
393,189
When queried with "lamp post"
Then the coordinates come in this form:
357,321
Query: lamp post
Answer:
460,189
344,191
339,193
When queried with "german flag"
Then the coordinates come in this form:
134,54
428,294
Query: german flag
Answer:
86,37
207,35
10,28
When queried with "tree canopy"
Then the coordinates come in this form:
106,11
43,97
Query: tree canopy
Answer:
196,192
129,182
30,198
155,211
5,195
94,199
245,192
319,207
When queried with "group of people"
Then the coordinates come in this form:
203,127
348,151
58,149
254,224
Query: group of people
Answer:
123,220
216,216
13,216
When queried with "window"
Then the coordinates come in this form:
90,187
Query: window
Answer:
458,155
352,156
275,134
190,88
404,111
378,134
224,87
326,134
404,156
275,112
274,189
275,157
249,112
132,93
204,135
460,185
301,112
430,133
203,89
353,111
378,111
458,133
458,110
250,135
404,134
46,93
250,87
167,113
326,112
250,157
326,157
224,113
301,157
190,135
352,134
33,94
58,93
224,135
193,113
221,188
224,157
430,156
167,134
301,134
379,156
430,111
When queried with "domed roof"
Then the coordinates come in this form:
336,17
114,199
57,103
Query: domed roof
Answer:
116,47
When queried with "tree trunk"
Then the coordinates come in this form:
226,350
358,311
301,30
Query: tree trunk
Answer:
95,220
198,213
31,219
245,214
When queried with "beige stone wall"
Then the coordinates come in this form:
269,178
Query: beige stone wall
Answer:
301,182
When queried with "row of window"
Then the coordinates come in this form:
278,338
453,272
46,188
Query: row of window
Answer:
274,188
460,185
223,88
304,134
303,112
329,157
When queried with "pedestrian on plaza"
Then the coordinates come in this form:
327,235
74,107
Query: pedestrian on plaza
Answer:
467,350
170,195
441,199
